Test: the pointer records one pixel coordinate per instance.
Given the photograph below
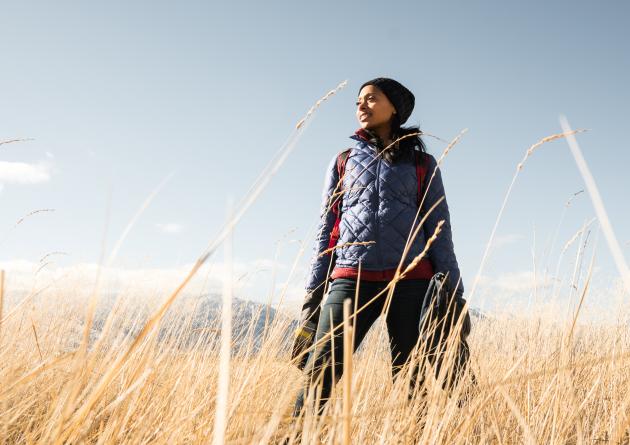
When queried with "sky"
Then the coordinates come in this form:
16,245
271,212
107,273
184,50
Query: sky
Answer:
116,98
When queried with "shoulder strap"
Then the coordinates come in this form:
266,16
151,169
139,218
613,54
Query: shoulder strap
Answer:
336,206
421,171
341,162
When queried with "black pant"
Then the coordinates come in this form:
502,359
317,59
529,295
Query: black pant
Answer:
402,319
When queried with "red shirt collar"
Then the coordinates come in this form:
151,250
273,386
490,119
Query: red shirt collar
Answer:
361,133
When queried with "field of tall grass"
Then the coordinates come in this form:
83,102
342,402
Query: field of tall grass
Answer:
148,369
538,382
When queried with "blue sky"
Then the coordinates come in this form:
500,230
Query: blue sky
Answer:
119,95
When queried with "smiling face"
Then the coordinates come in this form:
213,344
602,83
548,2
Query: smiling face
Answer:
374,110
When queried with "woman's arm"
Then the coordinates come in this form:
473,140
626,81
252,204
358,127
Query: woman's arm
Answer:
318,273
442,251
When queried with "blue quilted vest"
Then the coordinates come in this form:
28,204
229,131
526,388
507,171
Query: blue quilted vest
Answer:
378,209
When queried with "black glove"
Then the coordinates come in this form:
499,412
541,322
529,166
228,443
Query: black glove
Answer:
305,333
304,336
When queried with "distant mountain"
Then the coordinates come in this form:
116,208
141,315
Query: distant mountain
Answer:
196,321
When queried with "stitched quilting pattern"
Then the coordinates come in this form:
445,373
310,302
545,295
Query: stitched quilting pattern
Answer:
380,204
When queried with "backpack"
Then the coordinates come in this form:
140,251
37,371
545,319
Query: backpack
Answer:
421,172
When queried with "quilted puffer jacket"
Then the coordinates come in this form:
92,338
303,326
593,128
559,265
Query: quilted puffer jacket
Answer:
379,205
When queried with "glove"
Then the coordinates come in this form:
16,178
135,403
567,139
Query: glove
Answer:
305,333
304,336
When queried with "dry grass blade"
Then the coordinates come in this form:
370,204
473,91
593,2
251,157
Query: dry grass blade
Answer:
11,141
620,430
576,235
22,219
1,299
450,146
598,204
29,214
347,373
319,102
416,260
49,254
529,437
135,385
136,217
582,298
339,246
39,350
29,376
223,385
519,167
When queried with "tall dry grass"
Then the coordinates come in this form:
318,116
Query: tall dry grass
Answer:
148,374
540,380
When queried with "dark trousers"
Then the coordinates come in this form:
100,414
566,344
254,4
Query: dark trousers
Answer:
402,320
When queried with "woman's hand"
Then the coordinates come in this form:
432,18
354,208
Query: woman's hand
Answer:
304,336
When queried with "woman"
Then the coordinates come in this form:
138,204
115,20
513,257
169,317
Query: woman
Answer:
377,213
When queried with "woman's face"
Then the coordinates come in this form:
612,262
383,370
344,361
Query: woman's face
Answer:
374,110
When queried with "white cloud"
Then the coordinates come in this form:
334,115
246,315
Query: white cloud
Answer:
18,266
169,227
519,294
49,155
250,279
516,282
24,173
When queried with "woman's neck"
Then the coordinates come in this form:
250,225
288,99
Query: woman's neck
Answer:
384,134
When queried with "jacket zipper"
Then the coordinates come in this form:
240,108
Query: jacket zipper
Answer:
376,218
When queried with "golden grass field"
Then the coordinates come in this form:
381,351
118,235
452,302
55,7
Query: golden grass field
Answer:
538,383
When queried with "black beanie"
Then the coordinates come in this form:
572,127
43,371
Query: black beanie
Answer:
402,99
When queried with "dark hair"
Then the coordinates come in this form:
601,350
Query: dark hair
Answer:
403,150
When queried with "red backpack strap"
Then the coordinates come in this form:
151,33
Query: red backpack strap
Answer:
336,206
421,171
